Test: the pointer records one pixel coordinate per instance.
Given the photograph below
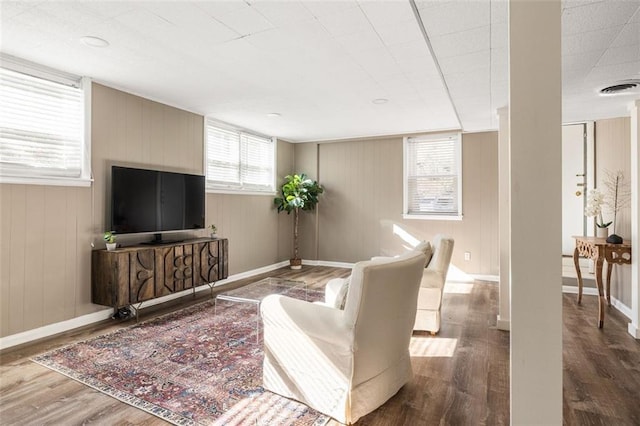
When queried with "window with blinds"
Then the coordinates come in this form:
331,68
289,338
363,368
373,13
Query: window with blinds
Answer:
42,128
433,176
239,161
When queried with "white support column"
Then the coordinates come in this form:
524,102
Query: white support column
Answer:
535,115
634,325
504,307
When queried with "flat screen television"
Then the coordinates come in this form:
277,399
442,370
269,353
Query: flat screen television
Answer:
153,201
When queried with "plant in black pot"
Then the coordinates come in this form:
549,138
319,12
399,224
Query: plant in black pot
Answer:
297,193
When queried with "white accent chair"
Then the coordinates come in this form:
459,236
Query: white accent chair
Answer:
432,285
438,253
347,362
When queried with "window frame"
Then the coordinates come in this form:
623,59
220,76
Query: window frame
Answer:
84,83
456,138
212,187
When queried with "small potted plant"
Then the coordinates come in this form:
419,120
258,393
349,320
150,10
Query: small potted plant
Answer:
213,230
110,239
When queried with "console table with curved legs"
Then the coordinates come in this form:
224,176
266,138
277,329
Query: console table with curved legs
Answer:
599,250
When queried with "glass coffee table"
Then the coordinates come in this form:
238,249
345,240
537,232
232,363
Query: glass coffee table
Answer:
256,292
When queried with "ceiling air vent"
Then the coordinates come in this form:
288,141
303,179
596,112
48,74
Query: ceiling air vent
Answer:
624,87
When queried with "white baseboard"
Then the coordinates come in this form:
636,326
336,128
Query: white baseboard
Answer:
329,263
503,324
60,327
251,273
634,330
491,278
53,329
590,291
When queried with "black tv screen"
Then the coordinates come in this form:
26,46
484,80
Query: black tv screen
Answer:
155,201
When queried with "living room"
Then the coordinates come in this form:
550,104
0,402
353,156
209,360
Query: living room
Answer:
49,232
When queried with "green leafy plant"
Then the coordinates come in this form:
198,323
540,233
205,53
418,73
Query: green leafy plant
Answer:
109,237
213,228
299,192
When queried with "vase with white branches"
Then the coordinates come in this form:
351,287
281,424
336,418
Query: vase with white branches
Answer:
617,197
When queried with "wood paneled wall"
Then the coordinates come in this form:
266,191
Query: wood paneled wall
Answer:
46,232
306,161
613,152
45,260
360,215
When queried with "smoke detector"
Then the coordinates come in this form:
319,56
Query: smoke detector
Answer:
626,87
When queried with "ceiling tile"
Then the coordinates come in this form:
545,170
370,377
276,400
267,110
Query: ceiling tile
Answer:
11,9
595,16
499,35
609,74
221,8
499,12
568,4
620,55
573,44
281,13
190,19
367,39
468,62
346,22
402,32
322,7
245,21
409,50
461,43
377,63
628,36
455,16
584,61
420,67
499,65
385,13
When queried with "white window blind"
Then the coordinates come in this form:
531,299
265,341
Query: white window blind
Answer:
41,127
239,161
433,176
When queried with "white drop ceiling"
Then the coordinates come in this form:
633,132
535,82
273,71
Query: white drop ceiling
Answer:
320,64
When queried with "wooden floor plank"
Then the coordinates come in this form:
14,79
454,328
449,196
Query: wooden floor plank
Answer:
461,376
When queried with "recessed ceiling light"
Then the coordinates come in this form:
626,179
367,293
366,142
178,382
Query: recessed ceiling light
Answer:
380,101
274,114
92,41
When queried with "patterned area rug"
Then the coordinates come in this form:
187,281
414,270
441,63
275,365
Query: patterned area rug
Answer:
189,367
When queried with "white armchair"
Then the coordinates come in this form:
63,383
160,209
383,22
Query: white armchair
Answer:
346,362
432,285
438,253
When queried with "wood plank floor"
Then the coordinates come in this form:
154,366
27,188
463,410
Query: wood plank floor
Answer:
461,376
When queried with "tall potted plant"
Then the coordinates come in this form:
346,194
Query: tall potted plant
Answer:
297,193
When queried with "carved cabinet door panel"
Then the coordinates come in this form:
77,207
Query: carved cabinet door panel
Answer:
141,275
175,266
208,265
